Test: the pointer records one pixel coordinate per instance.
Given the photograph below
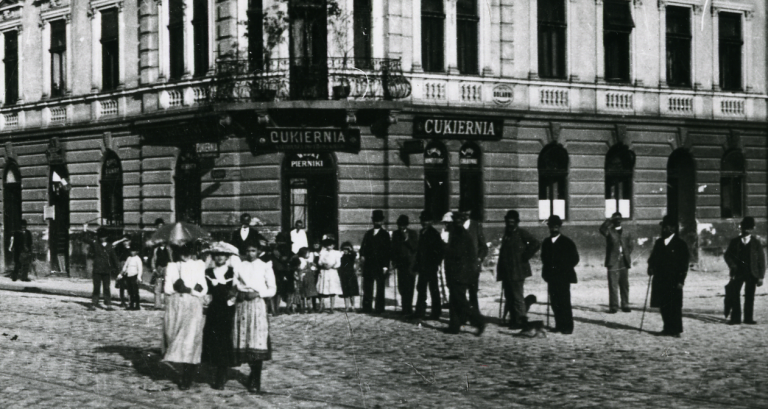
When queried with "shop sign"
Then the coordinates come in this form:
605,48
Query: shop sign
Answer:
502,94
207,149
112,169
481,128
469,157
218,174
54,153
308,161
434,156
308,140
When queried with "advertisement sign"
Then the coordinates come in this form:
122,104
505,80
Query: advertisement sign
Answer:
469,128
307,140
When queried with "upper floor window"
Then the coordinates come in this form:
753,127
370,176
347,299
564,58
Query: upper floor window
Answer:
732,177
362,28
176,38
466,36
553,181
617,27
110,50
255,35
679,46
11,62
731,41
58,57
552,31
619,166
432,35
200,34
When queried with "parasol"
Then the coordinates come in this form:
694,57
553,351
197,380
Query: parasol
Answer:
177,234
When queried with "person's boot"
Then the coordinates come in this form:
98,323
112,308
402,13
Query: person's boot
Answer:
254,380
187,376
221,378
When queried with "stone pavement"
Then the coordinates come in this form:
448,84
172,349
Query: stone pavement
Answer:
57,354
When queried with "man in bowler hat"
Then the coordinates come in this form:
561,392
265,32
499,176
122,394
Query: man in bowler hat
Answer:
668,265
404,244
746,262
429,255
245,234
559,257
517,248
460,258
105,264
375,254
618,260
481,250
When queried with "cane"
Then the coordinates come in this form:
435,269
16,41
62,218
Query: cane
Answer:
442,283
547,307
645,304
501,304
394,272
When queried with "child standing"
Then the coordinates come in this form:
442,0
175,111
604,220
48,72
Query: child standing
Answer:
348,276
328,284
305,277
131,276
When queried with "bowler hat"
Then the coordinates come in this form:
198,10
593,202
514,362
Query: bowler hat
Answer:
669,220
512,215
554,220
403,220
426,215
616,215
748,223
448,217
377,216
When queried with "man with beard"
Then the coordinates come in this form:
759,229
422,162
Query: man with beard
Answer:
517,248
404,244
429,255
375,257
668,265
460,273
559,257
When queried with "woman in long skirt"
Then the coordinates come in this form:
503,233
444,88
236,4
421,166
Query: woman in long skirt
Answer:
348,276
328,284
254,281
218,350
185,287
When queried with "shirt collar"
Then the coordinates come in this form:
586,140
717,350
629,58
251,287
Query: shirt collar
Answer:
668,239
555,238
466,224
746,239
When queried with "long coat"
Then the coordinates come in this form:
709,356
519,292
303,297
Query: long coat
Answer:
559,259
478,241
756,259
104,258
404,251
615,240
460,258
430,251
377,252
669,266
517,248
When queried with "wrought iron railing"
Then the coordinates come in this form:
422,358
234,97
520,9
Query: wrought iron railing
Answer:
303,79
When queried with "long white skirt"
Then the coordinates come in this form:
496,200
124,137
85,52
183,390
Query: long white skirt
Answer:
329,283
183,329
250,334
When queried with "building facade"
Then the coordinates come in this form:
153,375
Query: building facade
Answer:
116,113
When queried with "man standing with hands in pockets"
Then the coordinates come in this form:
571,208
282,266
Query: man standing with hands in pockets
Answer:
375,256
618,260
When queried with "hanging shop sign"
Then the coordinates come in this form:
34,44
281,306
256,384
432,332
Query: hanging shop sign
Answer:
472,128
435,155
308,161
307,140
469,156
207,149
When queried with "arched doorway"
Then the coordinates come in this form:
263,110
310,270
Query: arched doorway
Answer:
553,181
111,190
58,198
619,168
188,187
436,187
11,205
310,194
471,180
681,196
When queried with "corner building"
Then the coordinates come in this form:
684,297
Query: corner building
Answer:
116,113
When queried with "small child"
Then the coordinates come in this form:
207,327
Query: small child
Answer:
348,276
305,278
131,273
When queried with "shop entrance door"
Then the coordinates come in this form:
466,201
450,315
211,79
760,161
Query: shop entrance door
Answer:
310,194
188,187
471,180
11,207
681,196
58,197
436,183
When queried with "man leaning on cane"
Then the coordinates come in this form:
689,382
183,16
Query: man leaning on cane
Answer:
618,260
668,265
517,247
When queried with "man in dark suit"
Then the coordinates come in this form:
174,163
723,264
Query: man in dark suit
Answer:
105,264
245,234
618,260
481,250
375,253
460,260
404,244
668,265
746,262
429,255
559,257
517,247
21,246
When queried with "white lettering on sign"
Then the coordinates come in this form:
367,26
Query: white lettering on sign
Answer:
459,127
307,137
307,164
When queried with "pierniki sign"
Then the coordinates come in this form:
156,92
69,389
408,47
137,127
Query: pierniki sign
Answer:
480,128
307,140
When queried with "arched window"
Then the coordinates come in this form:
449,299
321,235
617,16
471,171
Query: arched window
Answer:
553,181
471,180
732,177
619,164
11,204
111,190
436,187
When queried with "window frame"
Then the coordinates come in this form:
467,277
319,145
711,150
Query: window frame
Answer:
733,179
432,36
679,47
726,46
58,53
553,180
467,37
200,36
11,67
362,23
549,29
110,50
111,189
175,40
617,42
619,180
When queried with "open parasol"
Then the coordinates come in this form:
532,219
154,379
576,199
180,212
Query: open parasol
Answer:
178,234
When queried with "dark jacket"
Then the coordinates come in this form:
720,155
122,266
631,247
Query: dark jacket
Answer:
460,258
558,260
430,251
22,242
615,240
755,270
404,247
478,241
516,249
376,252
237,240
669,266
104,258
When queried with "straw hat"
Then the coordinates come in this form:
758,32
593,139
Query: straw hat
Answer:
221,247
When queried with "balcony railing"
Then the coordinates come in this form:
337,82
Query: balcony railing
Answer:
288,79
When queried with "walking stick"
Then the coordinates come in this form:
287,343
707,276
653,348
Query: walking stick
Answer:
547,307
442,284
394,272
645,304
501,304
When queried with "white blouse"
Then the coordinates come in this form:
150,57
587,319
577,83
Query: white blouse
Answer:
191,273
257,276
329,259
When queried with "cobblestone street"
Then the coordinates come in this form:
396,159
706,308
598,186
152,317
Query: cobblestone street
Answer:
58,354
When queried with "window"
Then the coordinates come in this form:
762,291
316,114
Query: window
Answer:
617,26
110,58
552,27
111,190
200,33
619,164
255,35
466,36
732,184
432,35
362,29
679,46
730,51
11,61
176,38
553,181
58,57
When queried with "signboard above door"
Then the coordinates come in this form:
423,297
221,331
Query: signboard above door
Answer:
311,140
466,128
